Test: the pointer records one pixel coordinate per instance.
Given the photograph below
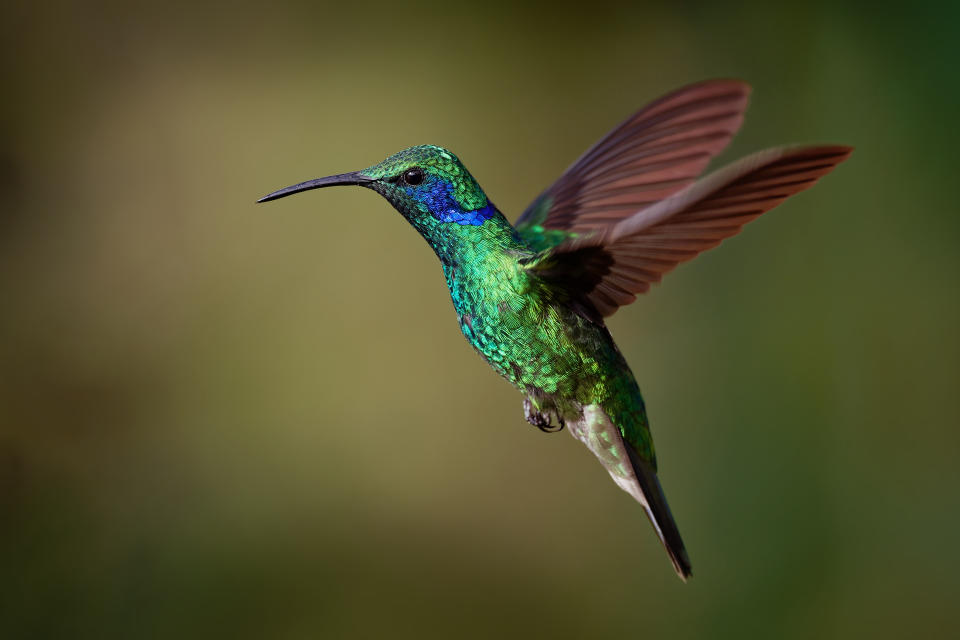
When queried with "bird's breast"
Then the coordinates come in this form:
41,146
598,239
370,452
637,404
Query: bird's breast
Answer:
530,341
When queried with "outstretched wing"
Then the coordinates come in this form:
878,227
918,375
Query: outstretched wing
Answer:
653,154
606,269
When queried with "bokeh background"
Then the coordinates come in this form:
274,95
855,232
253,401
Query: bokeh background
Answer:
226,419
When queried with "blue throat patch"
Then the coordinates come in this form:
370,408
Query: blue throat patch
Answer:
438,201
474,218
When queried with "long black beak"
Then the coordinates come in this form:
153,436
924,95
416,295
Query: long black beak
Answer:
354,177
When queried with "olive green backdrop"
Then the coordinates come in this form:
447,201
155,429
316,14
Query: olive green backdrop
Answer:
222,419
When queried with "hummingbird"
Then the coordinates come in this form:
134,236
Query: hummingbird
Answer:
531,297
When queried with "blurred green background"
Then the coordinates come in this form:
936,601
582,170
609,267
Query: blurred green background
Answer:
218,418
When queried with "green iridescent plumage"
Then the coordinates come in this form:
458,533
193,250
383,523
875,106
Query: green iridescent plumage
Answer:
525,330
531,298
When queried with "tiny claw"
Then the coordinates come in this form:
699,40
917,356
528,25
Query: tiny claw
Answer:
539,419
548,428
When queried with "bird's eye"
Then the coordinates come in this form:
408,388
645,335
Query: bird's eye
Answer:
413,177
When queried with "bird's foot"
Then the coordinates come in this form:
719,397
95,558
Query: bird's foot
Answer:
539,419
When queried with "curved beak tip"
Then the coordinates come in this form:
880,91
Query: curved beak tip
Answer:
352,178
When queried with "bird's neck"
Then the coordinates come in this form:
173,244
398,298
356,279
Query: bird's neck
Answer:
470,246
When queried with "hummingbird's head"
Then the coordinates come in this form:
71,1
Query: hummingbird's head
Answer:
427,184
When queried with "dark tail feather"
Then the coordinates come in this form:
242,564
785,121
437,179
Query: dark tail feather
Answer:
659,512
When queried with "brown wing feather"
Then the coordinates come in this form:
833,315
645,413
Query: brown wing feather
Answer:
635,253
653,154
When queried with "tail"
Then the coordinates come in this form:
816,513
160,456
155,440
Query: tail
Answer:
659,513
606,441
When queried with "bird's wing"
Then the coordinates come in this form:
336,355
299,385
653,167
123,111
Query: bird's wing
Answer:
605,270
651,155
